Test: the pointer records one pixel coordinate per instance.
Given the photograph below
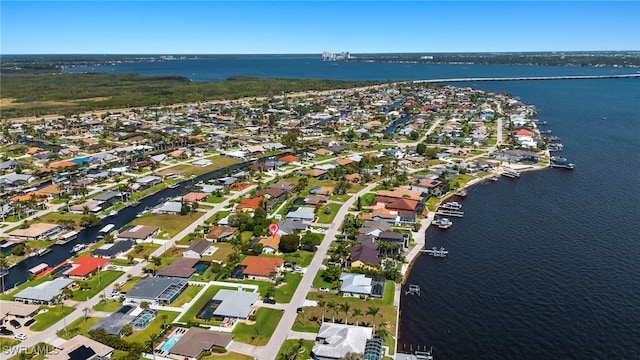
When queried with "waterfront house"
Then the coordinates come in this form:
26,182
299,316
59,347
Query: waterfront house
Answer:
169,207
139,233
36,231
113,250
335,341
197,341
394,238
363,256
44,293
355,284
85,267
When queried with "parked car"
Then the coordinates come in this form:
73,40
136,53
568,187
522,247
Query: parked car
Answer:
15,324
299,310
269,301
297,268
324,289
29,322
5,331
21,336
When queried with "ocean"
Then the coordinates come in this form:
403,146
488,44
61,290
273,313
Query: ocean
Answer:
544,266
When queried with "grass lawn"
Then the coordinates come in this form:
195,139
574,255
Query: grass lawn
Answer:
340,198
318,282
228,356
166,258
328,218
246,236
108,305
217,217
215,199
78,327
368,199
54,217
153,328
8,343
169,223
99,281
224,249
259,333
285,292
144,249
50,316
189,293
217,162
293,346
120,262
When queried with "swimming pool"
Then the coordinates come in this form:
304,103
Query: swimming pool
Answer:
172,340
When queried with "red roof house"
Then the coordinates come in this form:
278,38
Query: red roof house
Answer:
289,158
258,267
86,265
249,204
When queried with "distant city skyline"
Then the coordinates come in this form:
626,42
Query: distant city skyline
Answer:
311,27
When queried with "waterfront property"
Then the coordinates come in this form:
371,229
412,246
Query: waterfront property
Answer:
334,341
113,250
139,233
138,318
44,293
229,305
191,343
36,231
361,285
156,290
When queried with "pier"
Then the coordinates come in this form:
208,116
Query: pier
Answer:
510,173
449,212
435,252
566,77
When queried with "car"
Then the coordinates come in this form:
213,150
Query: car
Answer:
299,310
297,268
5,331
15,324
269,301
121,283
324,289
21,336
29,322
112,267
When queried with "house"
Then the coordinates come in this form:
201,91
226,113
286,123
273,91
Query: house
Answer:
291,226
314,173
234,304
36,231
197,250
169,207
196,341
180,268
194,196
270,244
137,317
374,227
84,267
44,293
314,200
80,347
89,205
353,178
335,341
139,233
260,268
517,156
283,184
363,256
302,214
17,310
221,232
394,237
202,163
402,205
342,162
149,180
432,187
171,173
355,284
289,159
108,198
156,290
249,205
113,250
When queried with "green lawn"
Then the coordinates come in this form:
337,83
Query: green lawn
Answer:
318,282
284,293
130,282
8,343
99,281
217,163
228,356
190,315
324,218
79,327
217,216
119,262
169,223
340,198
108,305
189,293
368,199
140,250
49,317
215,199
224,249
293,346
259,333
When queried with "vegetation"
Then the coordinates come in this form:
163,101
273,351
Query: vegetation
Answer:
101,280
295,349
50,316
259,333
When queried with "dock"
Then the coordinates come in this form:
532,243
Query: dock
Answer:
435,252
449,212
511,173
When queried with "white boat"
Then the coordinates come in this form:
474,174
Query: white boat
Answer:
78,247
453,205
113,213
442,223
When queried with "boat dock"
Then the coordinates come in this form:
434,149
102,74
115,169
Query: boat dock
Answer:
511,173
413,290
65,238
449,212
435,252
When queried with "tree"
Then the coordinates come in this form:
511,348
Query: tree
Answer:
421,148
153,337
19,250
302,184
290,139
156,262
184,208
322,303
86,311
144,305
373,311
332,273
4,264
342,187
356,313
345,307
333,306
126,330
289,243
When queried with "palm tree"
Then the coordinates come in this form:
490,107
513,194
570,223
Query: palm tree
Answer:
4,263
373,311
356,313
333,306
152,340
86,311
345,307
322,303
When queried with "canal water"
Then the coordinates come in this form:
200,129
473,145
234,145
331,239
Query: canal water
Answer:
59,253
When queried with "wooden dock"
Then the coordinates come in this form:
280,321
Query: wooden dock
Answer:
435,252
448,212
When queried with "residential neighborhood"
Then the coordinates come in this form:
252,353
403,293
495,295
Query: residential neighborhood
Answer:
253,228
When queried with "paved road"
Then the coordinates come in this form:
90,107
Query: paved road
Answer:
270,351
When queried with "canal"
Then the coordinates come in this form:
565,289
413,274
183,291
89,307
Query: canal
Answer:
59,253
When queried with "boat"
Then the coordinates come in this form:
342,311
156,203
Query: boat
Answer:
78,247
113,213
43,251
560,162
555,147
173,186
442,223
65,238
450,212
511,173
494,178
453,205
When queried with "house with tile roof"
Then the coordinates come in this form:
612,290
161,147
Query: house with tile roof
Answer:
260,268
270,244
249,204
217,233
84,267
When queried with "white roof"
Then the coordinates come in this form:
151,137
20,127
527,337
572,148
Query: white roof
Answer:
236,304
340,339
45,291
355,283
304,213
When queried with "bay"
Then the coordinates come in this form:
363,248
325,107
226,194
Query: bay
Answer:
542,266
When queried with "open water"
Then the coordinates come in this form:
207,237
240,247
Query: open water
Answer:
545,266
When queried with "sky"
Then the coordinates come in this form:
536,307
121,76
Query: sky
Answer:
310,27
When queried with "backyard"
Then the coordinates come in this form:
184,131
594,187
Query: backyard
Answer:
49,316
258,334
99,281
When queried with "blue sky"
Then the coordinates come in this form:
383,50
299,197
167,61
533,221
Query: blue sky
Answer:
305,27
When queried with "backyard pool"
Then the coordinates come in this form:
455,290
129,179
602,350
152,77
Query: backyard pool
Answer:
171,340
